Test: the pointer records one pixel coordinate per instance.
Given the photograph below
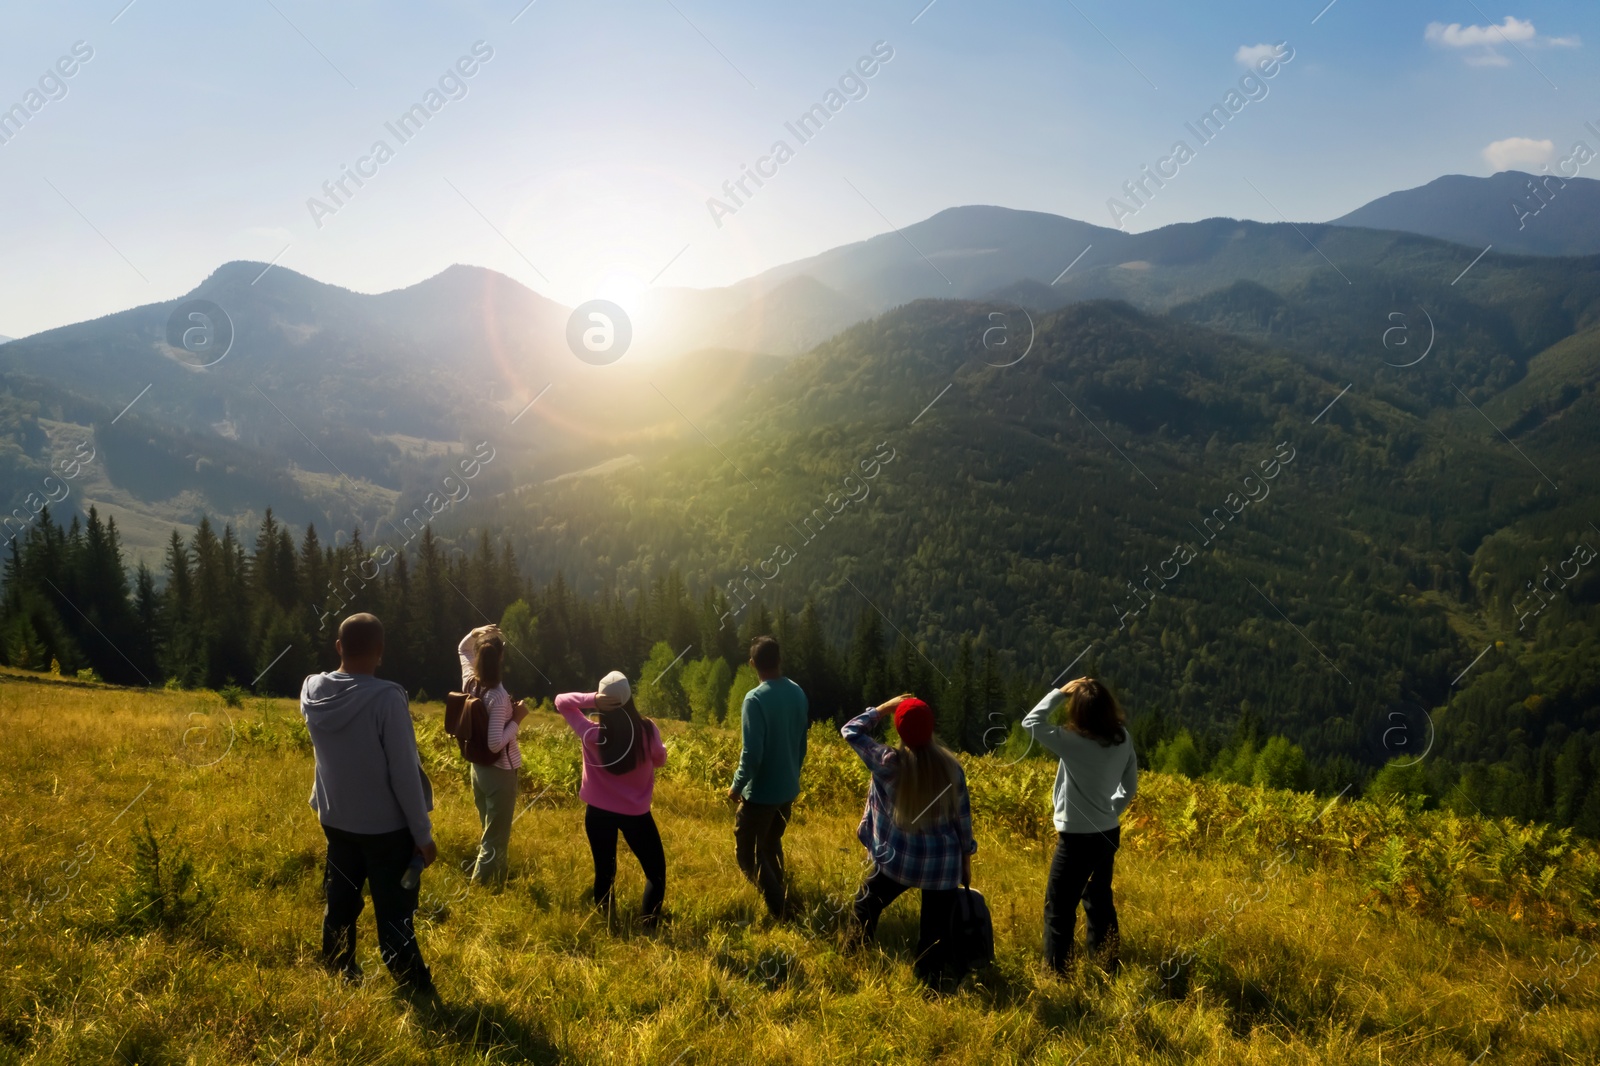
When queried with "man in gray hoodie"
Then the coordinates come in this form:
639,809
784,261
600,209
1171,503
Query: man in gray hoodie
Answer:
373,799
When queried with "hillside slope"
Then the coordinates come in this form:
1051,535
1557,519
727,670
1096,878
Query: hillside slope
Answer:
1526,214
1027,500
1258,927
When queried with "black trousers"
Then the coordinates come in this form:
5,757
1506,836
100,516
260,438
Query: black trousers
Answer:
1081,869
644,840
758,847
379,860
938,910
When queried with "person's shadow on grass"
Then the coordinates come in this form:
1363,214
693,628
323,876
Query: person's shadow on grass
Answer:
487,1026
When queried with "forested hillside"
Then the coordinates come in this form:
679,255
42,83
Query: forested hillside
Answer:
1081,503
1245,549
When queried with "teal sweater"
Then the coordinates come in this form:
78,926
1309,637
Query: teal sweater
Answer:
775,718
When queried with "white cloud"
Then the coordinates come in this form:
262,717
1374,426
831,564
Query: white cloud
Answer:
1456,35
1515,153
1483,42
1249,54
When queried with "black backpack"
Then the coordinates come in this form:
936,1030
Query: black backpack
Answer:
971,931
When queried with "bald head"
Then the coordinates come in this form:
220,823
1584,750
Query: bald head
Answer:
360,643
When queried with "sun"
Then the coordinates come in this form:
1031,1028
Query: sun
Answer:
622,288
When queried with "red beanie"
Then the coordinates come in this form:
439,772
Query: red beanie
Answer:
913,720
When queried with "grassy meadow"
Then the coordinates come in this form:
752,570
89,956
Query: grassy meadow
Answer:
1258,927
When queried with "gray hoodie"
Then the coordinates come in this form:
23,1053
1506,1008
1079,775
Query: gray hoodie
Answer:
369,777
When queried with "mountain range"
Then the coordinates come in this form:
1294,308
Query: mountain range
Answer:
344,408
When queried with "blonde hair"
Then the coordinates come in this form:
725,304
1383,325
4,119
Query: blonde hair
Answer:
924,791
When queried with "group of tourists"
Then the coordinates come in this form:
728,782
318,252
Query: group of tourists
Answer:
373,800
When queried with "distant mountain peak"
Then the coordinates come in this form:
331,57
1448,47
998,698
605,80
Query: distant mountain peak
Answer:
1517,212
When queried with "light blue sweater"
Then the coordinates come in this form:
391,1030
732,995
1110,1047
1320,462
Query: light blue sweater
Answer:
1094,782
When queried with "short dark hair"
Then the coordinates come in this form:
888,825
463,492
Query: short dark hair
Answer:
764,653
360,636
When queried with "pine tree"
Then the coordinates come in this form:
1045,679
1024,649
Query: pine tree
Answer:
314,592
989,704
955,708
866,664
179,646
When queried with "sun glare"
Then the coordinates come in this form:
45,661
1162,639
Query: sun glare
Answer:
623,289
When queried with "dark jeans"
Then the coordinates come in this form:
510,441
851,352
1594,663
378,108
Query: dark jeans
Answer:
644,840
379,859
758,845
938,910
1081,869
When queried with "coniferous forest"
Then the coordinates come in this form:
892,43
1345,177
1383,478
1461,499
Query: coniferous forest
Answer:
257,614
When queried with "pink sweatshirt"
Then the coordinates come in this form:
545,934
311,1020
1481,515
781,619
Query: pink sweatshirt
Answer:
625,793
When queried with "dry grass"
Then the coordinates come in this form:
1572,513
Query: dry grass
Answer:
1316,959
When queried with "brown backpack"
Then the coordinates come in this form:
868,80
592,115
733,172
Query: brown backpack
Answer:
466,717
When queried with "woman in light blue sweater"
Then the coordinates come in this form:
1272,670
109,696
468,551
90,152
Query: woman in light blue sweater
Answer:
1095,781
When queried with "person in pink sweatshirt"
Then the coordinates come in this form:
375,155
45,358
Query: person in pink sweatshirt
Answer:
621,751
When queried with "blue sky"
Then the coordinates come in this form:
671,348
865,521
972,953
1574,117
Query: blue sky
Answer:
582,156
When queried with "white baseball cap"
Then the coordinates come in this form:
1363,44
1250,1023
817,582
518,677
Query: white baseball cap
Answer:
614,686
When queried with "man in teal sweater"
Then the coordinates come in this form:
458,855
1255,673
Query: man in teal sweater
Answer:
774,719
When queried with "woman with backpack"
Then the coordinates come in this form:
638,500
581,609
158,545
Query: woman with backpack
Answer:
621,752
917,827
1095,781
494,785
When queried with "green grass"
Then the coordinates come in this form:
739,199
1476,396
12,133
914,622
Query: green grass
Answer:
1292,931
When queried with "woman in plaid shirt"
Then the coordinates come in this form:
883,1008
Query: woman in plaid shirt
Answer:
917,826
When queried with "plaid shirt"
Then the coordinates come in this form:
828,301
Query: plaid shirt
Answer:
927,858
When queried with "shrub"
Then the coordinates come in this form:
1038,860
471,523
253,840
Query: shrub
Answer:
659,690
1279,765
164,893
1178,756
743,681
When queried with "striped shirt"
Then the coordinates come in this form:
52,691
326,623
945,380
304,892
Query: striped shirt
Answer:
502,729
926,858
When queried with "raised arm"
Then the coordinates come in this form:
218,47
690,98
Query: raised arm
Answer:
857,733
571,705
466,650
1037,722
